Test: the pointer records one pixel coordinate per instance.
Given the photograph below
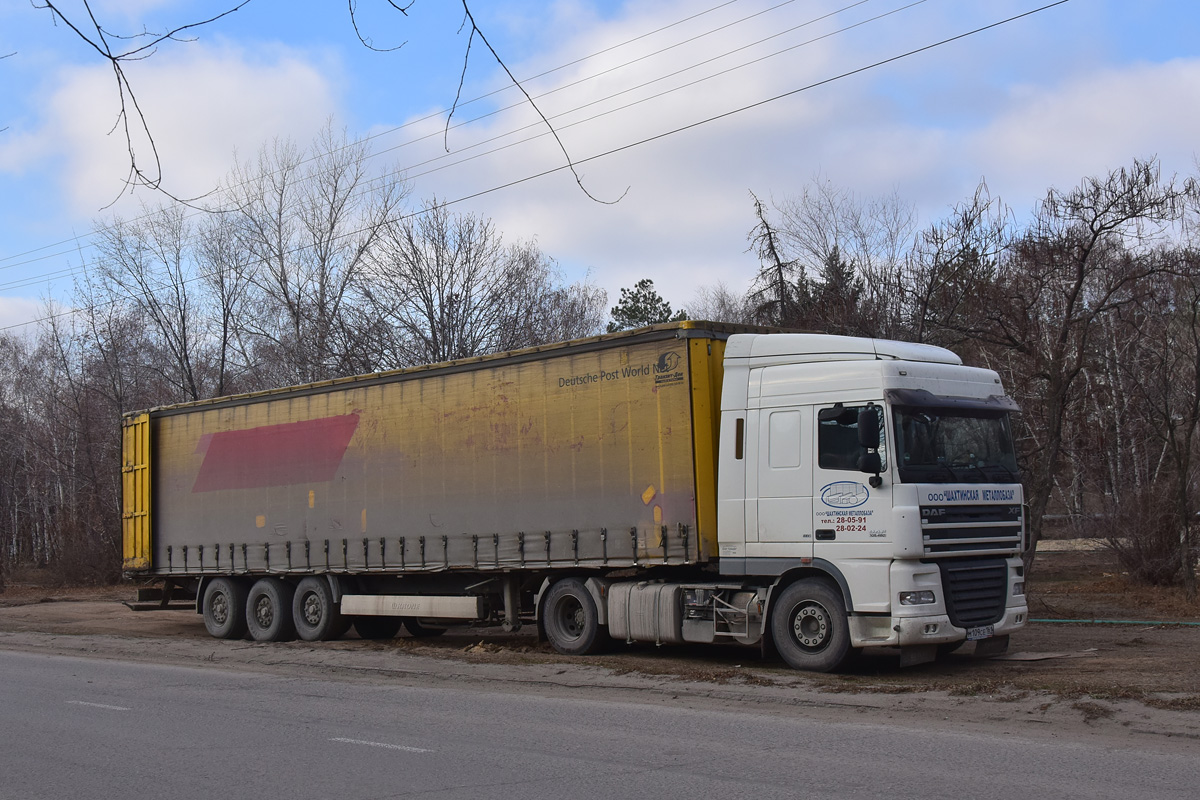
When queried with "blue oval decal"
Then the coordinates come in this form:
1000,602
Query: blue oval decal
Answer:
845,494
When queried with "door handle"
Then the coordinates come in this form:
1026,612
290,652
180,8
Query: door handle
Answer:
826,534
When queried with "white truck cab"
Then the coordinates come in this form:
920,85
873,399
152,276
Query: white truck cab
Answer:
886,468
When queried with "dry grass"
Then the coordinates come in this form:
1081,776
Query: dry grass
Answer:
1090,585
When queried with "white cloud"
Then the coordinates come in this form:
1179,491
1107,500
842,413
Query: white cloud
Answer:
1023,106
201,103
16,312
1057,135
928,128
684,220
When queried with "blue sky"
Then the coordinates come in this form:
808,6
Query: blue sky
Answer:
1075,90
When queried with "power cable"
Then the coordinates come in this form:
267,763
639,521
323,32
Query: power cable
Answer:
507,87
40,278
656,137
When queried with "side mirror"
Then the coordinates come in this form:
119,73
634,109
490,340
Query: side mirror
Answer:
868,439
868,428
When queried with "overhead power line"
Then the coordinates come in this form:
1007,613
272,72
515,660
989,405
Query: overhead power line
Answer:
506,88
455,158
664,134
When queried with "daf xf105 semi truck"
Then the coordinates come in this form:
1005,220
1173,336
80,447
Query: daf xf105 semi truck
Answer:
688,482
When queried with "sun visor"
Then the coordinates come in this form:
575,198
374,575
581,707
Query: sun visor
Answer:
923,398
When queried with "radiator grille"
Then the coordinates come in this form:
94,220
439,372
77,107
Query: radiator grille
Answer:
976,590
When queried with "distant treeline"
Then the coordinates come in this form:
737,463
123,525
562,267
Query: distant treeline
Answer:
311,268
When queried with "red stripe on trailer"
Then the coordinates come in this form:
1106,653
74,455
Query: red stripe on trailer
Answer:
274,455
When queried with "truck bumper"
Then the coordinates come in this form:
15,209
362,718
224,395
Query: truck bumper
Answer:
869,631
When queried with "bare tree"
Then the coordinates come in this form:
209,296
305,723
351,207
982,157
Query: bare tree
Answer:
221,262
719,303
1081,258
450,288
1161,368
842,256
949,263
308,222
780,294
541,308
145,263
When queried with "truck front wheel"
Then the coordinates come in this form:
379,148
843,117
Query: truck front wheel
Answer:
809,627
570,619
269,611
224,607
315,612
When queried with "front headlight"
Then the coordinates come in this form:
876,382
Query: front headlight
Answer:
917,598
1018,588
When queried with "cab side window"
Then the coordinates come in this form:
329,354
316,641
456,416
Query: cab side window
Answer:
837,437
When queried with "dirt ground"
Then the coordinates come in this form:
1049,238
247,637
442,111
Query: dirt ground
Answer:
1141,676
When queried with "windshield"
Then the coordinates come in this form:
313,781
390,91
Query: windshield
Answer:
938,445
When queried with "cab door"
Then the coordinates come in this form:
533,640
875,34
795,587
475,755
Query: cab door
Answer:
848,510
785,480
850,515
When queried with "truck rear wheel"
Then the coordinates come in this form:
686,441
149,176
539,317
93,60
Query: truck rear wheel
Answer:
269,611
224,608
315,612
377,627
809,627
570,619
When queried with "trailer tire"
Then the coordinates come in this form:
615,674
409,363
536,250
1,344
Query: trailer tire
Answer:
377,627
419,630
269,611
315,612
224,608
571,621
809,627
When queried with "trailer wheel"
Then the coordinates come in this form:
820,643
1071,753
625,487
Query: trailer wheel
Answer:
570,619
809,628
224,608
315,612
269,611
419,630
377,627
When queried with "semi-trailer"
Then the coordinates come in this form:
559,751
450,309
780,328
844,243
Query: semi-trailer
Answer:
686,482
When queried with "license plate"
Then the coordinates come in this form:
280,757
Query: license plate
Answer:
982,632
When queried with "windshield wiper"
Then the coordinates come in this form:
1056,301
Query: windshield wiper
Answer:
1005,471
943,465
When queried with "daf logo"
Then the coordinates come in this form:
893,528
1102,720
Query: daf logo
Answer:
845,494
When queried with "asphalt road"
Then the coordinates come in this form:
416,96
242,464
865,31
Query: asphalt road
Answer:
90,728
